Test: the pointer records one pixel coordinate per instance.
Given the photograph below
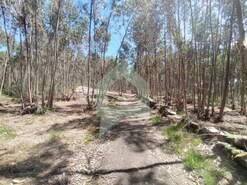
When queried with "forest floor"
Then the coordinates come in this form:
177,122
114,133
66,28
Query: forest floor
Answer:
62,146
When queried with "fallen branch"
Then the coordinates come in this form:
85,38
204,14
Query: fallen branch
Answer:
237,140
238,155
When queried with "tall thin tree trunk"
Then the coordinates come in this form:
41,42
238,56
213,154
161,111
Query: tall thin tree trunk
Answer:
54,64
8,49
89,53
226,83
28,56
243,51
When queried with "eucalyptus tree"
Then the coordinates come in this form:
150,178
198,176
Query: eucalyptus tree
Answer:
226,84
146,37
7,38
243,50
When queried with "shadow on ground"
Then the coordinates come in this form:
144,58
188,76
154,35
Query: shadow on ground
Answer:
137,175
75,108
136,136
45,160
7,109
147,178
129,170
237,173
78,123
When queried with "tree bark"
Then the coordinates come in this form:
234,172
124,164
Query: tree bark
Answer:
54,64
89,53
225,93
243,50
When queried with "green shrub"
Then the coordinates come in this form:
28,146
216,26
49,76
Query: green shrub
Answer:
41,110
10,90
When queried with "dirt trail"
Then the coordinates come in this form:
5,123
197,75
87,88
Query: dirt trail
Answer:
51,149
135,152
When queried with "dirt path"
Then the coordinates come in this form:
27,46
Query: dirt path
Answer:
135,152
51,149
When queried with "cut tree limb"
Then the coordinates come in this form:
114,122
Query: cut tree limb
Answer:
238,155
164,111
237,140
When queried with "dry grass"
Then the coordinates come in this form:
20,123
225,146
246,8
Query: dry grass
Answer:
32,146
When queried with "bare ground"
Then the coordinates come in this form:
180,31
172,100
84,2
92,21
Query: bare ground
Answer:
51,149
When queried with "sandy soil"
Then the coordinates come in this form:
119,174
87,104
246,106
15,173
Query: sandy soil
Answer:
52,148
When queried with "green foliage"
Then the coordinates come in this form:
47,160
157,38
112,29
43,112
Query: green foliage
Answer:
185,144
172,131
180,112
194,160
10,90
180,138
212,176
6,132
41,110
156,120
2,56
176,138
55,134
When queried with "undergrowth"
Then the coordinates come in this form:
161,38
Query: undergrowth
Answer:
186,145
6,132
156,120
55,134
5,98
90,135
41,110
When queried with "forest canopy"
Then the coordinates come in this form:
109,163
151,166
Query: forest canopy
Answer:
186,50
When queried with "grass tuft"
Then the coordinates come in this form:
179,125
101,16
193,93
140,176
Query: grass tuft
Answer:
212,176
185,144
179,138
90,136
194,160
55,134
156,120
6,132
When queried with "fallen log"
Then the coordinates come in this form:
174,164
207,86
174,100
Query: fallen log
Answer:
192,127
237,140
175,118
149,102
225,140
171,112
238,155
29,109
67,97
164,111
207,132
212,132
